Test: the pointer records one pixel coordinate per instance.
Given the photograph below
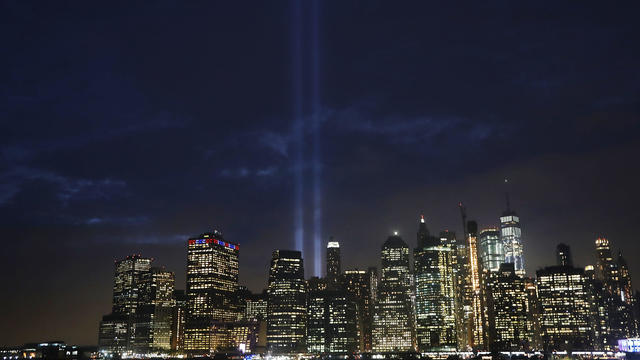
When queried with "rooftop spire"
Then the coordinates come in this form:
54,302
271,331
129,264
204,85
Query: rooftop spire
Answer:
422,218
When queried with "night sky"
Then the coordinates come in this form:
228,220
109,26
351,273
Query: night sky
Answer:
129,127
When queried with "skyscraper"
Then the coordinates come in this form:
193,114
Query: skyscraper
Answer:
511,237
359,284
475,273
491,252
563,255
127,283
463,298
212,281
332,326
434,294
507,306
333,263
564,309
118,330
152,321
393,323
621,318
286,305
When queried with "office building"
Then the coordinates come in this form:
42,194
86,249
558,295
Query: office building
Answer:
359,284
435,291
490,249
565,311
478,333
334,270
286,305
511,237
212,281
393,323
509,327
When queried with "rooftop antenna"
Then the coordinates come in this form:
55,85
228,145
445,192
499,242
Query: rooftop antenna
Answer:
506,194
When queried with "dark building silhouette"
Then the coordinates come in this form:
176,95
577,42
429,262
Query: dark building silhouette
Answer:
334,270
563,255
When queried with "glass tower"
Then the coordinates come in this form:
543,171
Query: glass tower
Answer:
511,237
491,249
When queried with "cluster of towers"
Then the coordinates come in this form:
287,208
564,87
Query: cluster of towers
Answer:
446,295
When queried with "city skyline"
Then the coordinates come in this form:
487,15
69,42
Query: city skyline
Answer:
131,128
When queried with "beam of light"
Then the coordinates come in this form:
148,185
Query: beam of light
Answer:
298,125
317,161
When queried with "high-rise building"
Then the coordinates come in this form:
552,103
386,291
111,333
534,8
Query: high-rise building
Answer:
359,284
478,338
127,283
178,318
332,326
507,311
621,318
463,299
393,323
599,302
153,318
564,309
491,252
563,255
435,291
117,330
212,281
286,305
511,237
334,270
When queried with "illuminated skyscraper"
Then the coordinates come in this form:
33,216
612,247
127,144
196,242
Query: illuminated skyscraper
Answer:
507,306
333,264
435,295
463,299
393,323
152,321
511,237
212,281
117,330
475,273
358,284
178,318
286,304
491,252
128,281
332,326
564,309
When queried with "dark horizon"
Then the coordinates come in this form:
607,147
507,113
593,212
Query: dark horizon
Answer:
129,128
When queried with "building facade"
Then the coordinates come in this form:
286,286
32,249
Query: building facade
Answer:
490,249
286,305
212,282
565,311
509,327
393,323
434,291
511,237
